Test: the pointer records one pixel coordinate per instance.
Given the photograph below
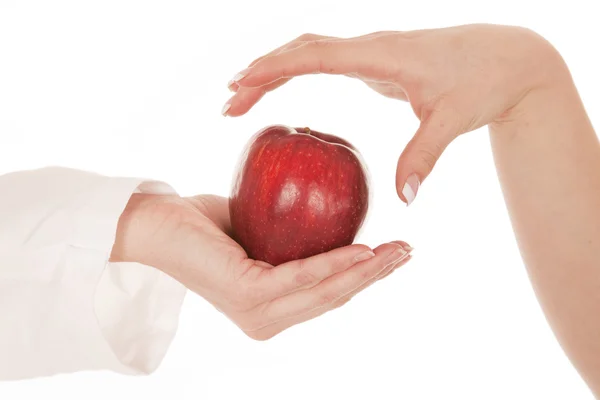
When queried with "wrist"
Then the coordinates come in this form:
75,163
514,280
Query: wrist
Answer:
556,104
137,229
548,93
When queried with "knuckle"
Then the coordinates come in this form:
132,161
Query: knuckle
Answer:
306,37
338,264
256,60
317,44
342,302
428,155
325,299
398,40
366,274
319,48
305,278
384,33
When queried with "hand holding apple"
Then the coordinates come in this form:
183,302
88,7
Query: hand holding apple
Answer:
297,193
189,239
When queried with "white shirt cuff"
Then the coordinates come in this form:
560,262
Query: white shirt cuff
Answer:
137,306
63,306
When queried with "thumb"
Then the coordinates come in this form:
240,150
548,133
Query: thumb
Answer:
423,151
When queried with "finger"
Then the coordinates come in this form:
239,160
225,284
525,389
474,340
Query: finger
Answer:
400,264
338,56
421,154
387,271
329,290
275,328
300,39
233,86
242,101
240,105
247,97
302,274
306,37
407,247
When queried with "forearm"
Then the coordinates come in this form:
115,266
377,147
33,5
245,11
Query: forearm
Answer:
548,160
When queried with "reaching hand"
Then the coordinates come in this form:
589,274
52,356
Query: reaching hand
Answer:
456,79
188,238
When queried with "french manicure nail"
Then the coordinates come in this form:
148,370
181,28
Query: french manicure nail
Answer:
233,86
364,256
241,75
405,245
395,256
410,188
226,108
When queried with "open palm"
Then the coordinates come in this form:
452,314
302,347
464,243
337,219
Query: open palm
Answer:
190,239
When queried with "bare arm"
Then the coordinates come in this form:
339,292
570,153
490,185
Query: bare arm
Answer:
548,162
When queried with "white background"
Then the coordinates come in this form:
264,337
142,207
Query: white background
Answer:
136,87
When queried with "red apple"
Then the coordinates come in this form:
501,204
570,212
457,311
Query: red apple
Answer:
297,193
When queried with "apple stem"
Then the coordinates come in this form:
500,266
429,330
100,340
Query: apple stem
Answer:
306,131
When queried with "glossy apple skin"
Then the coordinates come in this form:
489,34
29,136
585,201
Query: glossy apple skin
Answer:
297,193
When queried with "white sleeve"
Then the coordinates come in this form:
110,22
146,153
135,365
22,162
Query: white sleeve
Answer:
63,306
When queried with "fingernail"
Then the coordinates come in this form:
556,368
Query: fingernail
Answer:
226,107
395,256
241,75
231,85
364,256
405,245
410,188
